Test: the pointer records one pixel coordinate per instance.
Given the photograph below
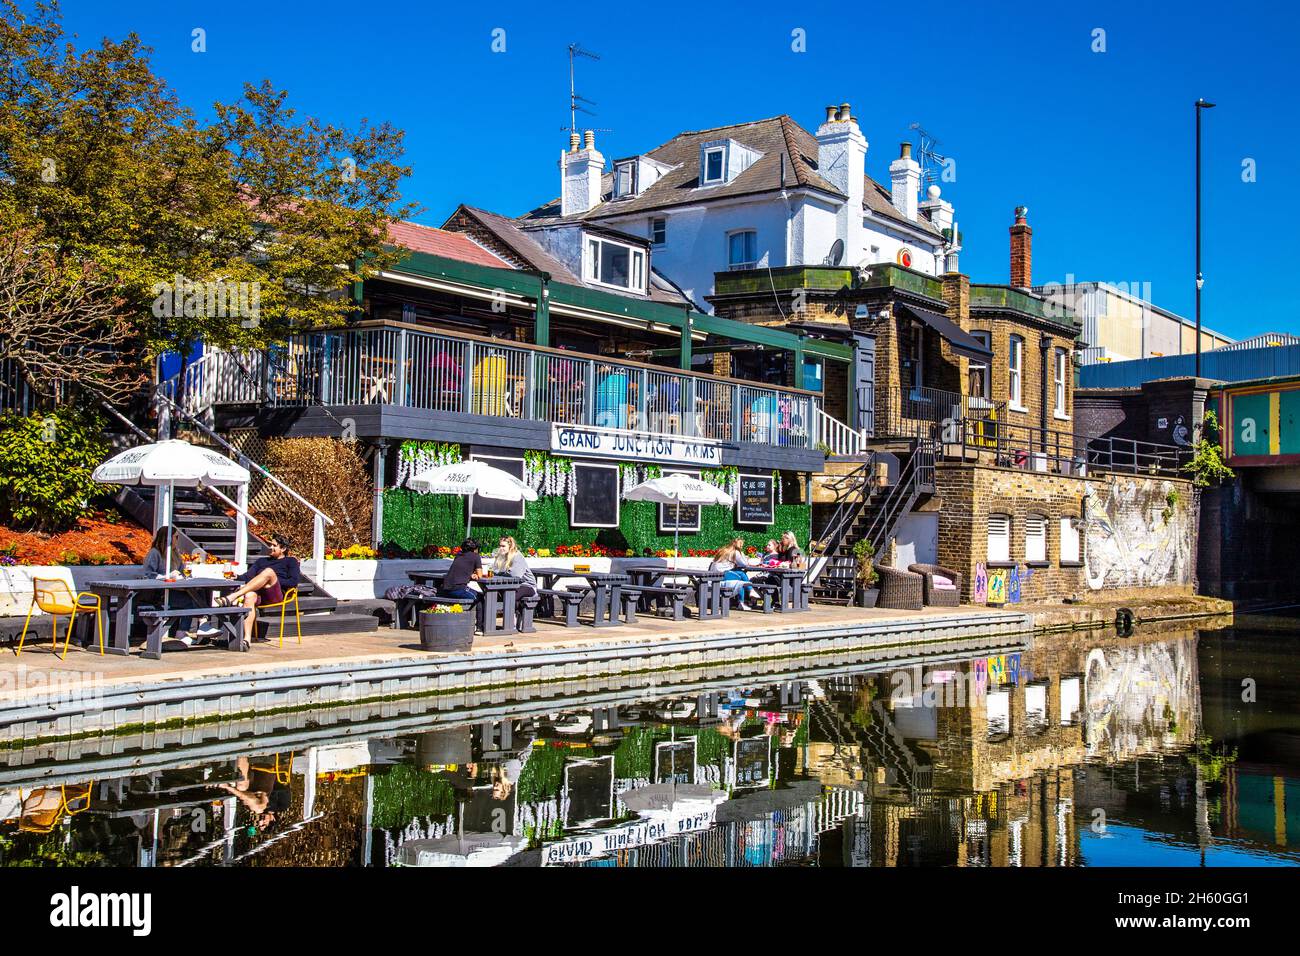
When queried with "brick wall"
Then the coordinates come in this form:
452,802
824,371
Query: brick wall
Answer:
1126,538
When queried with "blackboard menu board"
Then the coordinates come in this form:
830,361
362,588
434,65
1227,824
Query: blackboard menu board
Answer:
753,761
679,517
675,762
755,503
589,786
595,496
492,507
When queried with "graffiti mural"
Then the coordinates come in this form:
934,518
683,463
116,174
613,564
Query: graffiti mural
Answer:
1141,698
1140,533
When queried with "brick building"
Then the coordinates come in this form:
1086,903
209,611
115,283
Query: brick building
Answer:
967,390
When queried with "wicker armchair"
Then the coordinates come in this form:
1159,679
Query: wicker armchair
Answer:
938,597
900,590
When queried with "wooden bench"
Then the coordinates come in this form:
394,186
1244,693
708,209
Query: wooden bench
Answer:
230,618
569,601
768,593
633,594
527,608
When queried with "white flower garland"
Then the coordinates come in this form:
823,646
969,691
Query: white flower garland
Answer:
413,459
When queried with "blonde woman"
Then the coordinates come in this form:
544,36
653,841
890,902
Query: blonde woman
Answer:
791,556
735,580
510,560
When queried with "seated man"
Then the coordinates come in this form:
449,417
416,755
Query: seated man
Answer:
265,582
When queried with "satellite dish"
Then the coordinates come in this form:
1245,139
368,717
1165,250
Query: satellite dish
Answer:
836,254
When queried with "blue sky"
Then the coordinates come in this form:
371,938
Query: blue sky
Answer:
1097,145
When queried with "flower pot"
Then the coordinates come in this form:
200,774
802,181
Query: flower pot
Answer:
866,597
447,632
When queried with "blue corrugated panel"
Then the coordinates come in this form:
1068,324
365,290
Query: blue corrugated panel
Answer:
1225,365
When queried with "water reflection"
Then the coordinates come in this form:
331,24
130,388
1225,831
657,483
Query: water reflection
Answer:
1079,750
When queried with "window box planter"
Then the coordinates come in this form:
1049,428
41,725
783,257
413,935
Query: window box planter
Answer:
447,631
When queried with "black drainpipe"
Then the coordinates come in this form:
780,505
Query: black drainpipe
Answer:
1044,344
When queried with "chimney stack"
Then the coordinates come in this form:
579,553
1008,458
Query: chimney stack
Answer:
830,113
844,115
1021,250
580,173
905,182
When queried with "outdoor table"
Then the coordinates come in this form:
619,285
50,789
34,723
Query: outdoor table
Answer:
499,594
709,601
793,583
127,590
606,590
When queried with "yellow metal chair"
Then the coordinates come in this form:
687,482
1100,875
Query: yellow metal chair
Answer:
283,771
55,598
290,598
43,819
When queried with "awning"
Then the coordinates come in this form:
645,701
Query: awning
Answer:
962,342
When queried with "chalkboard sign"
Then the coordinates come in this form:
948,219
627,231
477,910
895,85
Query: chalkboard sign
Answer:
679,517
492,507
595,496
756,502
753,762
675,761
589,787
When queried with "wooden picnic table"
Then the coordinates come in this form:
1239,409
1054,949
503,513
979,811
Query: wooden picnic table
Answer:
709,602
499,594
606,590
793,585
128,590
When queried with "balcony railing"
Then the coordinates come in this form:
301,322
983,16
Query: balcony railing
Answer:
436,371
1059,452
901,410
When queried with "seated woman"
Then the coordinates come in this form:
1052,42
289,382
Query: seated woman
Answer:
791,556
771,555
157,563
735,579
465,567
510,560
261,791
266,581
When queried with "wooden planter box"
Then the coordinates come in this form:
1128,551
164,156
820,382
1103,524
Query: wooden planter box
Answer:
447,632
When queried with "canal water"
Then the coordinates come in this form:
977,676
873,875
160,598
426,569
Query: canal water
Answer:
1166,748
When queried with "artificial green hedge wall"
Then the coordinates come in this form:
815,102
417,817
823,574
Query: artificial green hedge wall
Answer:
414,522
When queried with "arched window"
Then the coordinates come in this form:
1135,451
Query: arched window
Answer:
1070,550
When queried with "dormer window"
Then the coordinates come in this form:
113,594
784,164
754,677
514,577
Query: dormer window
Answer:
625,179
715,166
723,160
614,264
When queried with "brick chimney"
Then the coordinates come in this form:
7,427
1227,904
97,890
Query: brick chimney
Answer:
956,296
1022,255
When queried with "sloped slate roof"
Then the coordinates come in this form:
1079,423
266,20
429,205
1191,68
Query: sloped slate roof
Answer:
523,251
774,137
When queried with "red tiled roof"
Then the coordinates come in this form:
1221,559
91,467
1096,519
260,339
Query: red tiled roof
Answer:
438,242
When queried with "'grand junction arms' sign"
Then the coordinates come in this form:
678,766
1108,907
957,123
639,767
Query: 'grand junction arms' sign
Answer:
586,441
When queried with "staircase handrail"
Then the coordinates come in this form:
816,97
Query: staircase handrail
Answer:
837,436
846,513
319,518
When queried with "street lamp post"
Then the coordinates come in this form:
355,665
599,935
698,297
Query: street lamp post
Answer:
1200,279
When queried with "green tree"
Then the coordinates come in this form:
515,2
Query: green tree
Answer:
99,155
45,466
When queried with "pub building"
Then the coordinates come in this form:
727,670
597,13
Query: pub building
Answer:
592,373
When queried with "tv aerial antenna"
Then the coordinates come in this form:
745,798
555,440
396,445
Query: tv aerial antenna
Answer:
575,98
931,160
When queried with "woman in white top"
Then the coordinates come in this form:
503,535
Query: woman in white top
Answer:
510,560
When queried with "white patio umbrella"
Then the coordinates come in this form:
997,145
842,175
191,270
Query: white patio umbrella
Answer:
166,464
471,478
678,490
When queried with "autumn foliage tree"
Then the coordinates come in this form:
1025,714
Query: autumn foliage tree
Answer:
127,188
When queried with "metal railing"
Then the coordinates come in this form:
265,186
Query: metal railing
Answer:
1138,457
903,409
1058,452
218,377
438,371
